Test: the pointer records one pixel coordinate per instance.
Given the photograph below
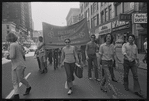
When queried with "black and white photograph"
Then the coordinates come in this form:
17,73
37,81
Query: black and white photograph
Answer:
74,50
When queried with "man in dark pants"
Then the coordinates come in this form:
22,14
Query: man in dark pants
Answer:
55,57
50,56
90,52
131,61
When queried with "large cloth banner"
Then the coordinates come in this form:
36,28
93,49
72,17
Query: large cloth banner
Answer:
54,36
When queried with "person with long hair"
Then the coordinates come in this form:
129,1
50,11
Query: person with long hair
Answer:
106,57
18,65
69,57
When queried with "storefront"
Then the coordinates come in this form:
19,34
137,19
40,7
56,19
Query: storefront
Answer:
103,30
120,29
139,20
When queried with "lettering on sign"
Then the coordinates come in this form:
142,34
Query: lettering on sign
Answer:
105,29
118,23
120,28
140,18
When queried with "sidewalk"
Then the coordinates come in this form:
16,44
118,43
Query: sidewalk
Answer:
140,56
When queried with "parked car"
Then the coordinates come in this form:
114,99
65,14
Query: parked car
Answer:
32,48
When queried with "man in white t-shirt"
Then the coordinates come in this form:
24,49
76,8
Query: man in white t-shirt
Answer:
145,48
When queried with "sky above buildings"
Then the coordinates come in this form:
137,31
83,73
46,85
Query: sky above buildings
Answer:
51,12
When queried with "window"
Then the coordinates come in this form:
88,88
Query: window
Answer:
106,14
81,8
95,21
102,16
91,9
7,32
92,22
88,24
110,12
101,3
87,13
117,9
95,8
126,6
86,4
7,26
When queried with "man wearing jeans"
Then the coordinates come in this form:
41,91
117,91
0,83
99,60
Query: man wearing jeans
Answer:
91,49
129,50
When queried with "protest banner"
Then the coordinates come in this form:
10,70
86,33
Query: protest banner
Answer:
54,36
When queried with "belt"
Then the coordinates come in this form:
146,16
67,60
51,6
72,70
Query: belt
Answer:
92,54
128,60
107,60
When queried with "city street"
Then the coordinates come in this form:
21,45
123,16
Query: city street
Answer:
51,84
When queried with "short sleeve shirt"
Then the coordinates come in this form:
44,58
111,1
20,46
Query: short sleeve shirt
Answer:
130,50
92,47
69,54
106,51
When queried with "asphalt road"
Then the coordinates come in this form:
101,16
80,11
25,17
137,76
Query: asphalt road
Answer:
51,84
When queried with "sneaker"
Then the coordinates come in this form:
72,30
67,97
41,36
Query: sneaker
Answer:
139,94
16,96
27,91
90,78
114,80
69,92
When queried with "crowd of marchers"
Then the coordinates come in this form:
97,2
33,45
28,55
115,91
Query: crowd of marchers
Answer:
95,57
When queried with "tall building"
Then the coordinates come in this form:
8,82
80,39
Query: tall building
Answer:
73,16
20,14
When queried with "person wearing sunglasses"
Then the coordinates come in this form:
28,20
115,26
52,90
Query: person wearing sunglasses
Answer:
69,57
90,52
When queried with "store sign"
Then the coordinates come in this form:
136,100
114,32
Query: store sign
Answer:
105,29
118,25
140,18
125,17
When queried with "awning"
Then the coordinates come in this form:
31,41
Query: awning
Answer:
121,31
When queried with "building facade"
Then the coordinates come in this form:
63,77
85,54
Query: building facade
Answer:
36,34
7,27
20,14
103,18
73,16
